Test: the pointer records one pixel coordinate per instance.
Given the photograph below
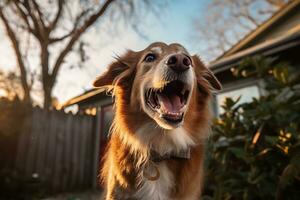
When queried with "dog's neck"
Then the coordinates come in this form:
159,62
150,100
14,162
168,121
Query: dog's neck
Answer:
165,142
152,143
183,154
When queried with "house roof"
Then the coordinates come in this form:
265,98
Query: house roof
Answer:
267,48
84,96
260,29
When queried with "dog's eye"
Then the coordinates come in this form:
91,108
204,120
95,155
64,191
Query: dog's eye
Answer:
150,57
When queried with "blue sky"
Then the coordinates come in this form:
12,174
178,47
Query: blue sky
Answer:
176,24
173,24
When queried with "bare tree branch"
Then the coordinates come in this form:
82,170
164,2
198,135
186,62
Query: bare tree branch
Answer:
59,39
53,24
24,17
248,17
92,19
39,14
18,53
75,27
37,25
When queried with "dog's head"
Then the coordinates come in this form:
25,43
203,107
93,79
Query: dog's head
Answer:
164,81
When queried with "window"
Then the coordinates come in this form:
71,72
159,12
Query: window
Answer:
246,93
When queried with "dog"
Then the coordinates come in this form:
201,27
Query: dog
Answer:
162,104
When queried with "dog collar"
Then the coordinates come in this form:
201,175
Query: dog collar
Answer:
156,157
151,171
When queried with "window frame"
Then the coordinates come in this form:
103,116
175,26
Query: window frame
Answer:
236,85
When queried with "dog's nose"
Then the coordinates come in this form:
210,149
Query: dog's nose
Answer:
179,62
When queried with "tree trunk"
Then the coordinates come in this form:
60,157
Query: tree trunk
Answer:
47,97
26,98
46,78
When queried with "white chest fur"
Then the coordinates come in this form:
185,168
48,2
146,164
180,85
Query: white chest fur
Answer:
162,142
158,189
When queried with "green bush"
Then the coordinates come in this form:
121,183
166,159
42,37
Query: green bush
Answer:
254,151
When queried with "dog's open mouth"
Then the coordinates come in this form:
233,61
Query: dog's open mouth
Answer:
170,101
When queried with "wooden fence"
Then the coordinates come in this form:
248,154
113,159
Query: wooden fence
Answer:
59,150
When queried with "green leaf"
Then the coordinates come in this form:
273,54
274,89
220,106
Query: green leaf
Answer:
271,139
238,152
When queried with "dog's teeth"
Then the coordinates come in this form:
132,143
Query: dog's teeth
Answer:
173,113
182,109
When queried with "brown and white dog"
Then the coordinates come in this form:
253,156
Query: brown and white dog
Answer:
162,118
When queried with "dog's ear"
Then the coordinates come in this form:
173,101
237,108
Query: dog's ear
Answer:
122,67
203,73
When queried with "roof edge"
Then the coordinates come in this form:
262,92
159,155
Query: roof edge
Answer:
82,97
273,46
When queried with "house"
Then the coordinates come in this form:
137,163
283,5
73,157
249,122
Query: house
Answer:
99,103
278,36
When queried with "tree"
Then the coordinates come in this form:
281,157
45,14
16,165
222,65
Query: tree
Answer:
54,30
227,21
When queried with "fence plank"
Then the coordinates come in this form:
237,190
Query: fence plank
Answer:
79,157
89,153
81,154
75,146
67,158
44,122
33,143
50,148
60,139
23,145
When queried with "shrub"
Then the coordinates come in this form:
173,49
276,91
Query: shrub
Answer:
254,152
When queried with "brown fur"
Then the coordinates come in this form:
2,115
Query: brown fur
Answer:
126,154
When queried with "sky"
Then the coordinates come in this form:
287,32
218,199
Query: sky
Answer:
173,24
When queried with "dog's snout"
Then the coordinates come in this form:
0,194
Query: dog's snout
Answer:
179,62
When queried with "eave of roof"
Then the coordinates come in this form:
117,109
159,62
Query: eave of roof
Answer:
83,97
260,29
266,48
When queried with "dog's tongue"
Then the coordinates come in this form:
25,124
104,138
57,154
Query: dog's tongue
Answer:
170,103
